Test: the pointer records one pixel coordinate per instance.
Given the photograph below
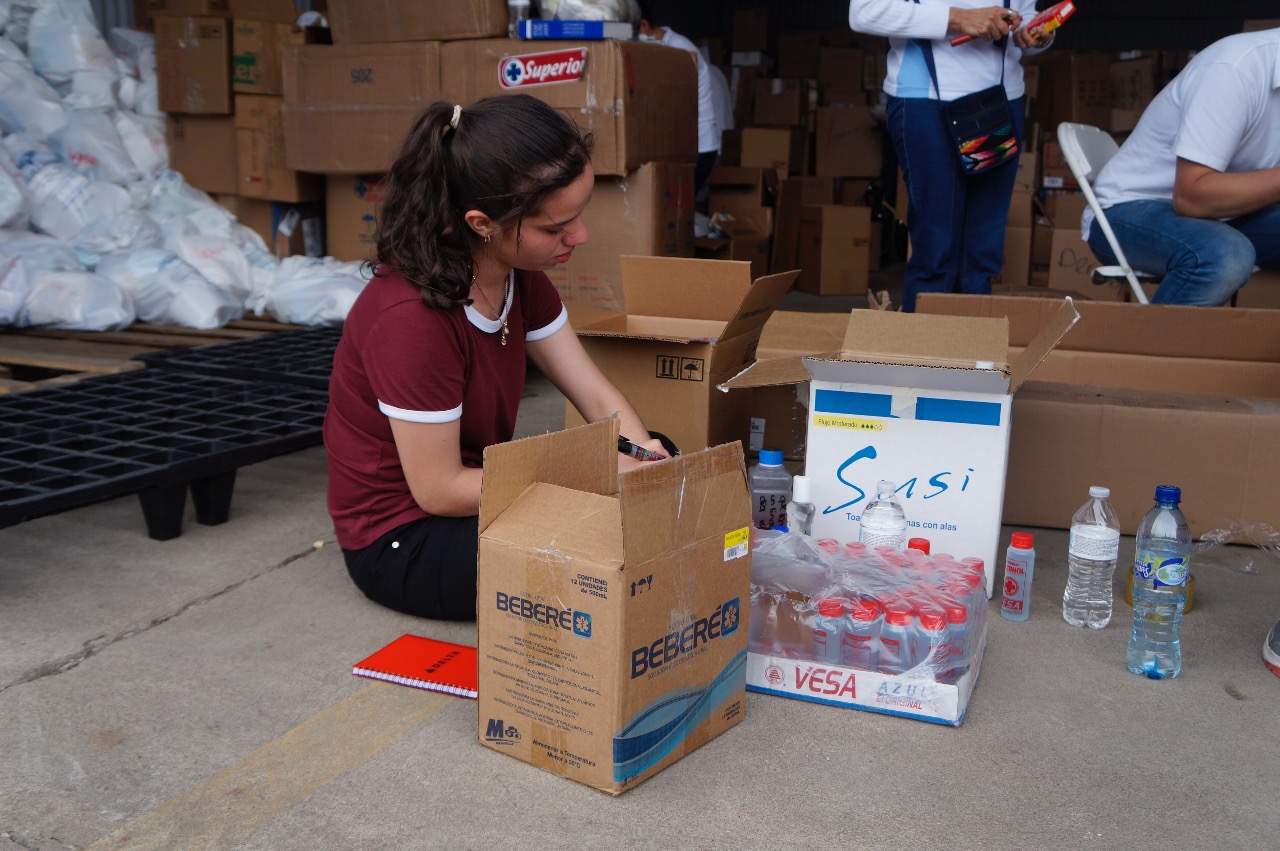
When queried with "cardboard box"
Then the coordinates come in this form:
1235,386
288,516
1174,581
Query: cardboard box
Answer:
751,31
924,402
741,242
1222,450
279,11
1055,173
1028,176
187,8
835,250
257,53
648,212
1020,208
378,21
689,325
639,99
253,213
347,109
193,62
203,149
779,148
1133,83
798,55
286,229
1017,256
351,215
780,103
841,68
1073,86
260,154
1261,291
746,195
610,605
784,253
847,144
1071,265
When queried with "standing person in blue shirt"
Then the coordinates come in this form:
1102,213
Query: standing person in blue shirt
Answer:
956,221
709,94
1194,192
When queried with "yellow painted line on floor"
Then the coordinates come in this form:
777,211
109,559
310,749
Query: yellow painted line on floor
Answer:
235,803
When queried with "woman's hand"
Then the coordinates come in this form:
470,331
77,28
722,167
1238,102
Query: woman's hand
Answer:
626,462
991,23
1030,41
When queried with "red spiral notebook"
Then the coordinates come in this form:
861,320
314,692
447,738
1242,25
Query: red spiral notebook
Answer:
413,660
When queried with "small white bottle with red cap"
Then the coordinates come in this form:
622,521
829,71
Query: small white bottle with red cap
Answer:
828,630
860,645
1019,567
897,638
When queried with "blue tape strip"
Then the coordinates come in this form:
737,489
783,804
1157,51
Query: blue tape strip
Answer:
855,404
958,411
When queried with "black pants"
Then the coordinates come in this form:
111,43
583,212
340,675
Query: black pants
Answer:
425,568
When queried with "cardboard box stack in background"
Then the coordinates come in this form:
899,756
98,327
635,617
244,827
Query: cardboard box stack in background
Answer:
611,608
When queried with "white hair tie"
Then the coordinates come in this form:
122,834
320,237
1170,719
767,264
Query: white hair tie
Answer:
457,113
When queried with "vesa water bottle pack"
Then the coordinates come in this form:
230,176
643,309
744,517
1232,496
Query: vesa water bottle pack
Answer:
878,628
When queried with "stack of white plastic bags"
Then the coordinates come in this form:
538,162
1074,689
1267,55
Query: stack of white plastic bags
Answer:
96,231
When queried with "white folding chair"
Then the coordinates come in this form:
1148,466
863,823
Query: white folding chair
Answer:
1086,150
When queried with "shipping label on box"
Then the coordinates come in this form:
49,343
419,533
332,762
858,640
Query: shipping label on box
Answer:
922,401
610,608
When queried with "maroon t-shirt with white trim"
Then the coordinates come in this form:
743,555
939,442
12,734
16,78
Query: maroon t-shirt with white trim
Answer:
400,359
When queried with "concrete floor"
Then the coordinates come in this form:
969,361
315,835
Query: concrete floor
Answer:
197,694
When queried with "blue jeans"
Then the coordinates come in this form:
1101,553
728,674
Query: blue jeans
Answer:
1202,261
956,221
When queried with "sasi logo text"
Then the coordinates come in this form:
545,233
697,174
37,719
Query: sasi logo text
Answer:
934,485
498,733
541,69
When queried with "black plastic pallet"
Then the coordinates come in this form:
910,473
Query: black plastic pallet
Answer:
293,357
157,433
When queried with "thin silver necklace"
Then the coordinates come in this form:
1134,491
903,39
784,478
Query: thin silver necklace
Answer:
497,314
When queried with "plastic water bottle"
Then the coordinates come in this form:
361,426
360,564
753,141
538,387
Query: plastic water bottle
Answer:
883,520
931,639
896,638
1160,569
957,641
800,509
770,490
860,646
517,11
828,630
1019,567
1091,562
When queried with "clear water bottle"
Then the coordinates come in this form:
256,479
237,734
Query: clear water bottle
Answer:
828,630
1160,568
1019,568
897,638
883,522
517,11
800,509
770,490
1091,562
860,646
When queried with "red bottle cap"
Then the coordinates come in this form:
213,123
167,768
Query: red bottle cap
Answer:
831,607
921,544
957,614
933,619
898,613
855,549
864,610
1023,540
829,545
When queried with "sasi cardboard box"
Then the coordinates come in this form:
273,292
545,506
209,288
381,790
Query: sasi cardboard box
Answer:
689,325
1138,396
924,402
373,21
611,639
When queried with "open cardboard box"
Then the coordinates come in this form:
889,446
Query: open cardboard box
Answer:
610,606
689,324
1138,396
923,401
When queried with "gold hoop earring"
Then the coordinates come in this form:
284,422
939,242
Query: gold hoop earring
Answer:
486,239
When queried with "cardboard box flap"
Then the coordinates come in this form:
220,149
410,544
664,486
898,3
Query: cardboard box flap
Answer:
1038,349
766,373
712,493
791,332
584,459
1175,331
563,523
668,329
758,304
915,339
684,288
